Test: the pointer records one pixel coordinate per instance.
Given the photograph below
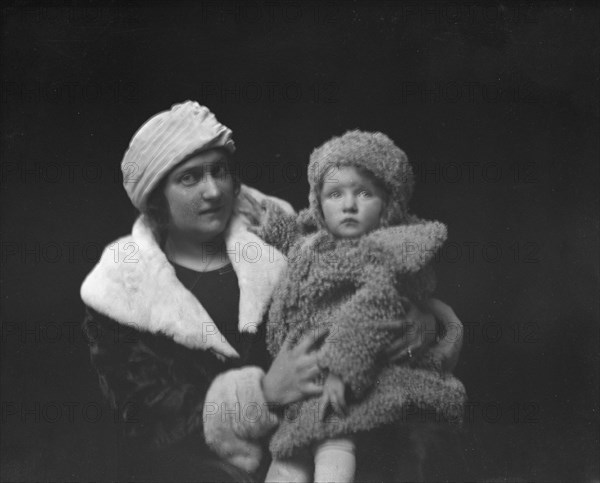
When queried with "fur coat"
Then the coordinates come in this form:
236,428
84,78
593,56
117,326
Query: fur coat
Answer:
162,363
354,289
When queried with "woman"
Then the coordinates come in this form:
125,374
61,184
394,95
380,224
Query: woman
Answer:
175,311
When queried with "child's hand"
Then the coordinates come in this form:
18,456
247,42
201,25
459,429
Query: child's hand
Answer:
259,214
251,208
333,395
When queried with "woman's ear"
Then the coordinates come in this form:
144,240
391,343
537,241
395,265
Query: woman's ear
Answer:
237,184
233,172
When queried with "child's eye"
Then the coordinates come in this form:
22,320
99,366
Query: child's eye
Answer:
334,194
365,194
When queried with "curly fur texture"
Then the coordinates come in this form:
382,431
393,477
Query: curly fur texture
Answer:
354,289
398,394
372,151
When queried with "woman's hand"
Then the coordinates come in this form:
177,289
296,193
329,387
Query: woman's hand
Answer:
420,336
447,350
251,208
293,373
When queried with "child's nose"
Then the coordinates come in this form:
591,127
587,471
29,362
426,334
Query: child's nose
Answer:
349,203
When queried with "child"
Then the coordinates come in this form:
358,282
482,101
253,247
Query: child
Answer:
350,277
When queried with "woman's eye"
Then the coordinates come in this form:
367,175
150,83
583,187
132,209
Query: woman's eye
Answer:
219,171
365,194
188,178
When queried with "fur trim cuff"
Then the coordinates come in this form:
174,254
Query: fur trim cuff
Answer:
236,415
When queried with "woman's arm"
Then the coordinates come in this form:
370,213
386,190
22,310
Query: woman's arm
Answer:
162,397
446,348
449,345
239,403
408,345
156,402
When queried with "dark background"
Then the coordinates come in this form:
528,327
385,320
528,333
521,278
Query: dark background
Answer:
496,106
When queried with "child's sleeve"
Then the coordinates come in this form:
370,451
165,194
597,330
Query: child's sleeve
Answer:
359,332
277,227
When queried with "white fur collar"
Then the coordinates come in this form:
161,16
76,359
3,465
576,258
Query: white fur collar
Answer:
134,284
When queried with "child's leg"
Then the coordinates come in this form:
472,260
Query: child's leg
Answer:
335,461
296,469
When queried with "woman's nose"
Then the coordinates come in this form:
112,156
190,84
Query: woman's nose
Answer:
210,188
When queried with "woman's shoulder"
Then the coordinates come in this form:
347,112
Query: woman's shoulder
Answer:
125,263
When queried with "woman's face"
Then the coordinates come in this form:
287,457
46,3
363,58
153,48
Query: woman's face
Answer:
200,193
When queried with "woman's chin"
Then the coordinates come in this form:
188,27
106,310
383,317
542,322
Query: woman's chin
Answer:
210,230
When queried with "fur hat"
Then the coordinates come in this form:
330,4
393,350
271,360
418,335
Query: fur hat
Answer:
374,152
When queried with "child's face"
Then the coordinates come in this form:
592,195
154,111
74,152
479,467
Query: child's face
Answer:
352,202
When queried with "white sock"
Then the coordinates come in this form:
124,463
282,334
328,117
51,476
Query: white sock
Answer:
335,461
296,470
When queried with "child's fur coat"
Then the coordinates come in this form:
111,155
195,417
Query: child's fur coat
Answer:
354,288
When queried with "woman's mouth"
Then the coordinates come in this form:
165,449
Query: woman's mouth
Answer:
210,211
351,221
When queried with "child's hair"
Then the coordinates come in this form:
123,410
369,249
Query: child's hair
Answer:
374,154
